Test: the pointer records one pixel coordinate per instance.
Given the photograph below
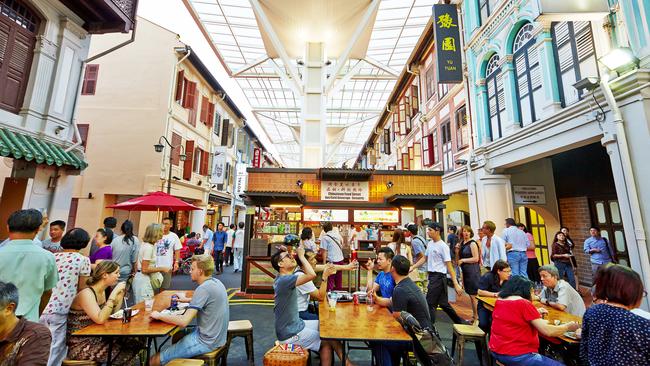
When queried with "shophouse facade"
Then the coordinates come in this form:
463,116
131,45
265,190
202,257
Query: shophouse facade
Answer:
166,95
425,126
44,45
547,152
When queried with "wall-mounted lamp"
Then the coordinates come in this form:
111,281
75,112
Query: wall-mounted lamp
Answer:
176,178
213,186
199,183
461,162
589,84
389,185
299,183
58,130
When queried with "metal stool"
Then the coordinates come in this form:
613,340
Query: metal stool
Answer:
185,362
242,328
466,333
213,357
67,362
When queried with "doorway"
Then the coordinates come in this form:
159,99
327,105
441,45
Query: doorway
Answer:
537,227
606,214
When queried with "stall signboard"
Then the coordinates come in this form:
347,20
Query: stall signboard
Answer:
257,157
218,167
322,215
241,179
448,47
344,191
376,216
529,195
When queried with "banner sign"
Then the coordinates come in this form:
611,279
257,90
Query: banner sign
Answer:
529,195
257,157
448,48
343,191
241,180
218,167
321,215
376,216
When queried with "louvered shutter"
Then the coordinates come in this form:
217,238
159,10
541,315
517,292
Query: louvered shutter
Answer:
176,151
16,52
187,167
205,162
210,121
180,81
204,110
90,79
224,132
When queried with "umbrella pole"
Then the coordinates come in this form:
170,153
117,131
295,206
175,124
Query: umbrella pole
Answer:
158,215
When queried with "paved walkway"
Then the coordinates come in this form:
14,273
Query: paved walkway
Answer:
260,313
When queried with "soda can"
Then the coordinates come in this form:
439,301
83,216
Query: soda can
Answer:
355,298
174,302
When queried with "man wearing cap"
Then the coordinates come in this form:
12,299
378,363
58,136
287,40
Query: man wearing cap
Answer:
438,258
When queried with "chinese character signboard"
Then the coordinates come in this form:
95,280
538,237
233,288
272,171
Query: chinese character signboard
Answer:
241,180
529,195
257,157
320,215
344,191
448,47
376,216
218,167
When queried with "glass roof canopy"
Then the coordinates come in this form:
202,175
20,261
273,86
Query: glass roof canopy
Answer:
352,109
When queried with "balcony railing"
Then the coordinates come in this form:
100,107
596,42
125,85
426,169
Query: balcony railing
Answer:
105,16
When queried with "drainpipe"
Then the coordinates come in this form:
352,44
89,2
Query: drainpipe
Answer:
82,71
234,169
630,180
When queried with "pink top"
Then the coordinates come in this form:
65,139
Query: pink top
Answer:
530,252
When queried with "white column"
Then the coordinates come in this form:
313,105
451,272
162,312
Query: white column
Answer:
198,219
494,198
312,131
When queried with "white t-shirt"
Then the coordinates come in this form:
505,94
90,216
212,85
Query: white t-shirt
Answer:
146,253
239,239
230,238
303,293
437,254
165,248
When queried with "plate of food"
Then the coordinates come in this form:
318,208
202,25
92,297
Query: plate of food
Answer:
120,314
572,335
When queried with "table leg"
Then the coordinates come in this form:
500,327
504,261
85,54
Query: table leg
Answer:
344,356
148,354
109,357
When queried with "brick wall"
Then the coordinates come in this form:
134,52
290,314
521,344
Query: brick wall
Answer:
575,215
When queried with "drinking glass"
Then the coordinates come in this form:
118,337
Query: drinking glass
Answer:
148,303
332,299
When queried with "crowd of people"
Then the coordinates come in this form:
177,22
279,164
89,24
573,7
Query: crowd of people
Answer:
50,289
504,267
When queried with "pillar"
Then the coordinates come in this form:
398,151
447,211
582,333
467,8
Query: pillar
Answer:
198,219
513,120
312,131
494,197
552,103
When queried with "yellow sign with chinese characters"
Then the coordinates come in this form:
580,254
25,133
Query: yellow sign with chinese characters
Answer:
448,48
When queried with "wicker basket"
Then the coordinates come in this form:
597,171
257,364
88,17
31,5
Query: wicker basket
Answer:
279,356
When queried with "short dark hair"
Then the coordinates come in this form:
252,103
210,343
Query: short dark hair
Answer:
275,259
510,221
108,233
241,225
452,228
435,226
166,219
25,221
232,226
221,223
191,235
205,226
59,223
327,227
517,286
499,265
595,228
110,222
76,239
8,294
388,252
401,265
618,284
306,233
412,228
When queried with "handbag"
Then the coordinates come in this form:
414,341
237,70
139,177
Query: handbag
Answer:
156,279
428,346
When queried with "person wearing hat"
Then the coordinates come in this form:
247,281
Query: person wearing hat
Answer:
438,259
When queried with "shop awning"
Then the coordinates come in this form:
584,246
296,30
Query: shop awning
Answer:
419,201
22,146
359,175
215,198
267,198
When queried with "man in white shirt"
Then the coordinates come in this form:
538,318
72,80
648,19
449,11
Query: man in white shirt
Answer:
438,259
331,245
558,293
229,256
518,243
493,247
206,240
238,246
168,251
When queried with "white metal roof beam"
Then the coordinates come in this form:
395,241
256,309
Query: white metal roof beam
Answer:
354,77
257,62
283,76
340,63
335,88
340,136
277,44
296,109
381,66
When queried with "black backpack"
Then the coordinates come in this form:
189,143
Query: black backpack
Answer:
428,347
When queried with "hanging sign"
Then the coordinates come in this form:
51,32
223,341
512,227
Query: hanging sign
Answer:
343,191
241,180
448,47
529,195
218,167
257,157
376,216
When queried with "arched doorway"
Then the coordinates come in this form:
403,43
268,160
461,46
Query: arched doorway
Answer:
458,218
537,226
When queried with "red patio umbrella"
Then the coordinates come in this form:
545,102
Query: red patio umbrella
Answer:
156,201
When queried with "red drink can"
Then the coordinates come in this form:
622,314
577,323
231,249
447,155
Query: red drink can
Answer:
354,255
355,299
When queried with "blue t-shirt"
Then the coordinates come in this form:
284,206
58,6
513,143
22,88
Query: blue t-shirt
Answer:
386,284
220,238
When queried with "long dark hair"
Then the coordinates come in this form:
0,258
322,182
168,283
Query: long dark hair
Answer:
127,229
306,233
557,241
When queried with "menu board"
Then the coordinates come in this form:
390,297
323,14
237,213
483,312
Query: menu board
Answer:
376,216
319,215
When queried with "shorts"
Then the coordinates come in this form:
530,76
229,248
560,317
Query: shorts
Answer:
308,337
188,347
167,281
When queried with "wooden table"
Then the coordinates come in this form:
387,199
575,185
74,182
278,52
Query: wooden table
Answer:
351,322
141,325
552,316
